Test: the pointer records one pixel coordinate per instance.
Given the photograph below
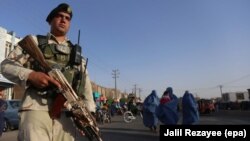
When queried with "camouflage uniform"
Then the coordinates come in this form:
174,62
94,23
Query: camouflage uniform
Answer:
36,124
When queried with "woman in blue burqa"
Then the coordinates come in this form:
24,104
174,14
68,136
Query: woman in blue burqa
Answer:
190,111
149,106
167,111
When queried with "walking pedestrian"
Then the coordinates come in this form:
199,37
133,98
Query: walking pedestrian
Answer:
150,104
167,111
190,111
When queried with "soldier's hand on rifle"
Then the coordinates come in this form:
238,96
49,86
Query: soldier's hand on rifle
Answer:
42,80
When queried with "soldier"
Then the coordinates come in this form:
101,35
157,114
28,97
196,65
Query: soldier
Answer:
36,123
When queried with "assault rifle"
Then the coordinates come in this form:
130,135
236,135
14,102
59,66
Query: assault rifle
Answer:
81,116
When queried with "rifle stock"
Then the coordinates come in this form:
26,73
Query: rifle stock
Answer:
30,46
81,115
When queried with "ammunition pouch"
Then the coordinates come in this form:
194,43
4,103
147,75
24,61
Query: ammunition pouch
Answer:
63,57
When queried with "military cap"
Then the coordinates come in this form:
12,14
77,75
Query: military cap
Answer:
63,7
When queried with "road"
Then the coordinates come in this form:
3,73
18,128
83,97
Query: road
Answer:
118,130
226,117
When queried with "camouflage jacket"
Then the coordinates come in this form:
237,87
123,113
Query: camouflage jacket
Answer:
15,68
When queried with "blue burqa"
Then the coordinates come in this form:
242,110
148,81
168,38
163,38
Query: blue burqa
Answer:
167,113
189,109
149,106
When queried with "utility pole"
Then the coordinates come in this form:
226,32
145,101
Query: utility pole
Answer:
125,91
135,89
220,86
115,76
140,93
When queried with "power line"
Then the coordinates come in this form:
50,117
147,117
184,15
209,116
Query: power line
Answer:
243,77
233,81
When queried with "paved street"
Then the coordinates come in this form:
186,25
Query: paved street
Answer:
118,130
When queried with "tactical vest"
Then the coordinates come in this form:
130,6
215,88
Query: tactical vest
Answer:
59,57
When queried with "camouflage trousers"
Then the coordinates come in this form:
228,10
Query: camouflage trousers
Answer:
38,126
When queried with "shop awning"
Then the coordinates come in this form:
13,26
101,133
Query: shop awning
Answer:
96,94
5,82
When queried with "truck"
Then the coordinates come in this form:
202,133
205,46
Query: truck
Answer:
206,106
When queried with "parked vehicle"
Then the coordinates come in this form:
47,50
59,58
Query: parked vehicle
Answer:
11,118
206,106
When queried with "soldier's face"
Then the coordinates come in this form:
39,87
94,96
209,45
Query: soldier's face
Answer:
60,24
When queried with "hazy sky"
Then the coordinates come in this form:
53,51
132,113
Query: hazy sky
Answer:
193,45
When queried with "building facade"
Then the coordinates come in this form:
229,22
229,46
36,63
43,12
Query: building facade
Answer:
236,96
8,40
